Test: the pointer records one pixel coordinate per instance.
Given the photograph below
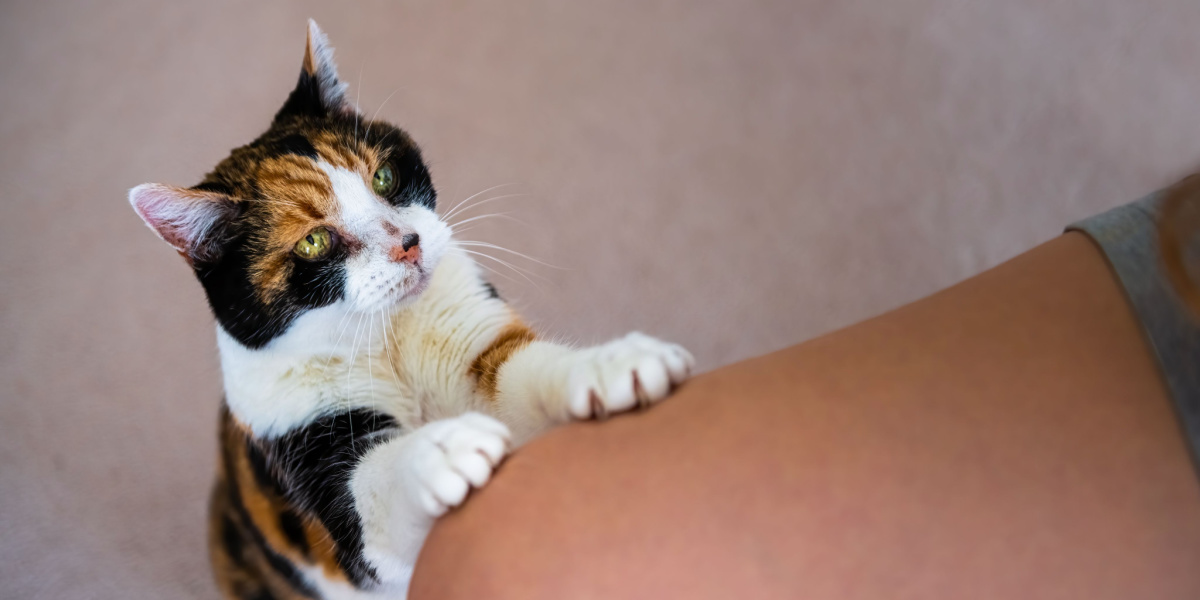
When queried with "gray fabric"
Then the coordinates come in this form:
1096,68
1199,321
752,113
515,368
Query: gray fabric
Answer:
1128,236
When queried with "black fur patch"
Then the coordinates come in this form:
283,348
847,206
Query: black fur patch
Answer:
285,569
304,101
293,528
279,564
225,271
294,143
237,307
491,290
232,539
311,468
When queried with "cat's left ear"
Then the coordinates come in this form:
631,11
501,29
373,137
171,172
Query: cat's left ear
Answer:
319,92
194,222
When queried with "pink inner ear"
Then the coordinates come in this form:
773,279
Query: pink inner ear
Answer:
181,217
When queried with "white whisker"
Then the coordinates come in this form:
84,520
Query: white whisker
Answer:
513,252
358,103
514,268
451,212
385,101
476,218
485,201
495,272
370,358
387,346
342,325
353,352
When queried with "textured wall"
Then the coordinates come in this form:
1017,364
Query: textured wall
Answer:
735,175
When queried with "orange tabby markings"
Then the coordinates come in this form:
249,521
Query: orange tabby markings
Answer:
486,367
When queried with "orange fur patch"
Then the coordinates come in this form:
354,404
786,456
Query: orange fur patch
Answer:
298,197
486,366
322,548
264,508
240,565
350,154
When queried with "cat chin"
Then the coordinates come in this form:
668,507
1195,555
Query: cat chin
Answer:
404,293
411,294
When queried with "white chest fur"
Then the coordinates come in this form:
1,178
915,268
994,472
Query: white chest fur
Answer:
411,362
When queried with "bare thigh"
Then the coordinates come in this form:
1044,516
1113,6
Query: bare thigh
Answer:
1007,438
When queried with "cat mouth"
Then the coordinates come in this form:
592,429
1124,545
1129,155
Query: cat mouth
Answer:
414,282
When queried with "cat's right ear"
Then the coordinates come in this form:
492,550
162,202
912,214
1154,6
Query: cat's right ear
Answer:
319,92
191,221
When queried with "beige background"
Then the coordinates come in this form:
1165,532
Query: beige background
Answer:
738,176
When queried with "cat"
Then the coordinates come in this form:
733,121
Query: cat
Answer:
372,376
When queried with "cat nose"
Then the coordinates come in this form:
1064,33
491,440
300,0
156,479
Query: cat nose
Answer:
410,240
408,251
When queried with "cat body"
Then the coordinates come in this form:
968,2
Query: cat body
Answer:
372,375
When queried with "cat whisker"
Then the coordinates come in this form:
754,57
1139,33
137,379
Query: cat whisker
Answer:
385,101
514,268
353,352
342,325
485,201
371,355
504,262
387,346
476,218
357,100
370,372
513,252
495,272
479,217
452,211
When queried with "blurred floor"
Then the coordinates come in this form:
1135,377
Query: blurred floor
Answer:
737,176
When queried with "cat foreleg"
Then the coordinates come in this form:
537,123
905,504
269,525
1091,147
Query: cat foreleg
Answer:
546,384
402,486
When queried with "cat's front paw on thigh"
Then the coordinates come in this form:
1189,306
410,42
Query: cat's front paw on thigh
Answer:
451,456
636,370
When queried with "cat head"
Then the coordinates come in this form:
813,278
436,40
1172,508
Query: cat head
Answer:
326,207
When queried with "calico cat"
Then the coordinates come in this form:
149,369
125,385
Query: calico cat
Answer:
372,376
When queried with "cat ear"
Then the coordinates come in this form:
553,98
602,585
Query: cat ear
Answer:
319,92
189,220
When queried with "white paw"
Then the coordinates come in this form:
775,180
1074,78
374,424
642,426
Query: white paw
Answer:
449,457
635,370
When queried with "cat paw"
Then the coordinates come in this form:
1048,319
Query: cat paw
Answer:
636,370
449,457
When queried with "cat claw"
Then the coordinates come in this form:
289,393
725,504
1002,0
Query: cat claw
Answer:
453,456
632,372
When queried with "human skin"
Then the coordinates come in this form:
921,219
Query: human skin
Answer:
1009,437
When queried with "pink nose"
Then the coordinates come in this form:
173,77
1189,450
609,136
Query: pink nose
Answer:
409,249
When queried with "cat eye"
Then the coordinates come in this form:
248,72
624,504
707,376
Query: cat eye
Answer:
384,181
315,245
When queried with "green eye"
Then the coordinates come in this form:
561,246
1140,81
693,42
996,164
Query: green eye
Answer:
384,181
315,245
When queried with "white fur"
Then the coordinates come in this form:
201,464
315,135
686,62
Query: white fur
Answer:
373,280
400,487
336,357
418,372
546,383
